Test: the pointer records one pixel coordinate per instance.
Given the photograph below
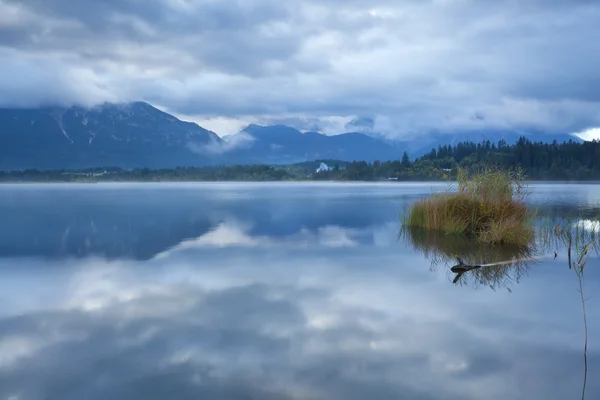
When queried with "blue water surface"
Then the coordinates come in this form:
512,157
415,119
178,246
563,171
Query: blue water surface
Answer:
274,291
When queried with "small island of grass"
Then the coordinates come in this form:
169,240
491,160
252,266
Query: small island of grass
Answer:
488,207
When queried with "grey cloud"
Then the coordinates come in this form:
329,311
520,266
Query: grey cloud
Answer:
201,35
185,17
418,66
46,82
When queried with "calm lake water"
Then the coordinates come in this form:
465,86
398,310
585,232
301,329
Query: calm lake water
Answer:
275,291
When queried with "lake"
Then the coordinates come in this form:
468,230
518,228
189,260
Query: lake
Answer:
276,291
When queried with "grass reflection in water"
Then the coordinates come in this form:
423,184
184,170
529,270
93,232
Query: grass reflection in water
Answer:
473,262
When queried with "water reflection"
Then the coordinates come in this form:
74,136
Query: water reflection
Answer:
500,266
141,221
313,300
271,326
491,266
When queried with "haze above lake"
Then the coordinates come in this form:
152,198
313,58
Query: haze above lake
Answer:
275,291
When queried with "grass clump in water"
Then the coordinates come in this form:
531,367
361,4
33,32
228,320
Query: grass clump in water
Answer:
488,207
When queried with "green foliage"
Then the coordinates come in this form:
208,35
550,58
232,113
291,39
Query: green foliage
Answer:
538,161
488,207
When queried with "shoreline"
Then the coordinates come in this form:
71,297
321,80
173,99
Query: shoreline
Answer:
388,182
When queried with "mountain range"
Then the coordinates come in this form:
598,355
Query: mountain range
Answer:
134,135
125,135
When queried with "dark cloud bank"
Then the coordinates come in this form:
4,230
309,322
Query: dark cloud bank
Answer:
416,65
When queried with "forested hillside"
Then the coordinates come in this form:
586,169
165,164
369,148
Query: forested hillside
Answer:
540,161
554,161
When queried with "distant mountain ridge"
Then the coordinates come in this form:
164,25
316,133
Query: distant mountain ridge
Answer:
124,135
280,144
136,135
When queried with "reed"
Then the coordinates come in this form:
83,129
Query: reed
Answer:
488,207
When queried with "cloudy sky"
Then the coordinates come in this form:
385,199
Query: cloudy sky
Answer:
413,65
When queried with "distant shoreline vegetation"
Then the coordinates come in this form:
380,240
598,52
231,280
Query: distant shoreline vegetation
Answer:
569,161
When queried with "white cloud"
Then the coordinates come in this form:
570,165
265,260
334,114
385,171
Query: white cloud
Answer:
589,225
335,236
222,126
589,134
224,236
232,234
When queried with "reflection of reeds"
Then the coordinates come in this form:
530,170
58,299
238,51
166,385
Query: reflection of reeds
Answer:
575,236
500,265
572,234
578,267
510,261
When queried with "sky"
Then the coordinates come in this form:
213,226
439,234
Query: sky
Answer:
414,66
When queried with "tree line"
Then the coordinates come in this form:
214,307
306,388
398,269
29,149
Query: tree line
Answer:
540,161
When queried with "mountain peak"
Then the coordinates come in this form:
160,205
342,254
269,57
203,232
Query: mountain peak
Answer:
111,134
252,128
129,109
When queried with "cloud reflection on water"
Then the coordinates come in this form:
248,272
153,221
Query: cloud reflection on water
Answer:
252,324
242,311
238,235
